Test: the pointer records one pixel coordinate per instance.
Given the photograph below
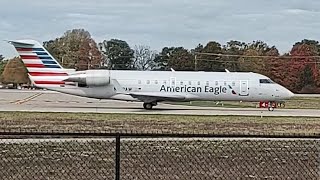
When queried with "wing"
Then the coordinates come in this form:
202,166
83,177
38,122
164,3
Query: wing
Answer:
157,96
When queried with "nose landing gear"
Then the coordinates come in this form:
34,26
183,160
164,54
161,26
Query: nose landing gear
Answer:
271,106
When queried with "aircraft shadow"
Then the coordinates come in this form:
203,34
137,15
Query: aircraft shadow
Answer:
156,108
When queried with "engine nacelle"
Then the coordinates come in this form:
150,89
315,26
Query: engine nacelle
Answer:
90,78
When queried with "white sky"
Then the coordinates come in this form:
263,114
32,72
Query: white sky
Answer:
159,23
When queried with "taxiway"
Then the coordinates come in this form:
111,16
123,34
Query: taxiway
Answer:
48,101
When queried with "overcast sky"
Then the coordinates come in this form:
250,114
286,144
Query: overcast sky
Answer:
159,23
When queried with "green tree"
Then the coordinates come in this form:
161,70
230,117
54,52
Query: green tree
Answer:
181,59
177,58
233,48
118,54
75,49
205,60
163,57
255,64
15,73
2,65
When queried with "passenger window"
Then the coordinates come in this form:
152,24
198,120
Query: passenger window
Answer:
233,83
139,81
156,82
181,82
225,83
207,83
217,83
148,81
164,82
190,83
266,81
199,83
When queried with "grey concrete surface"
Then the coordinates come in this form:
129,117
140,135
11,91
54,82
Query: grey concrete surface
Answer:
47,101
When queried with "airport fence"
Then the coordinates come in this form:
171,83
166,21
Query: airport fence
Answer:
32,155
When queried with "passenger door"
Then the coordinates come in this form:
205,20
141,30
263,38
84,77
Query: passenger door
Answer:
244,88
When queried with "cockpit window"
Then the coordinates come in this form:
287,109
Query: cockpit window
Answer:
266,81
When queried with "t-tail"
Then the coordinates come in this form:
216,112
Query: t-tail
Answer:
43,69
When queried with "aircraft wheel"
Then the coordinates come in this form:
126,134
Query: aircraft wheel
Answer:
147,106
271,108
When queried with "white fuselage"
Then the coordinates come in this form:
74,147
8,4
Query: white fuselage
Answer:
210,86
149,87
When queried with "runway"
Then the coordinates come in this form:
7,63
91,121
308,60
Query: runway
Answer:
47,101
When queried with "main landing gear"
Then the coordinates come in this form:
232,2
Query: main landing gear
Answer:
149,105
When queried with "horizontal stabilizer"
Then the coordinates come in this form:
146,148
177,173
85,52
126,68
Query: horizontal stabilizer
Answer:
21,43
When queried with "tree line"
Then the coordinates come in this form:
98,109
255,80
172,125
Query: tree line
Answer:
297,70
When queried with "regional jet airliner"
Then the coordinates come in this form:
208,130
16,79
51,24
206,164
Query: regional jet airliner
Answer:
149,87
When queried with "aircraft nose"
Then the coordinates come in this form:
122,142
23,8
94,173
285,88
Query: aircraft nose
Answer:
289,94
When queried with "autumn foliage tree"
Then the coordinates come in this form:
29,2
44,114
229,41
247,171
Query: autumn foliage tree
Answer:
304,71
276,66
75,49
298,70
90,57
15,73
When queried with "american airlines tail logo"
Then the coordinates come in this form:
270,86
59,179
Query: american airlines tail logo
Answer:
216,90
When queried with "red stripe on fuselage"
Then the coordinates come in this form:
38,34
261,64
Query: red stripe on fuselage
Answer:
47,74
24,49
50,82
34,65
29,57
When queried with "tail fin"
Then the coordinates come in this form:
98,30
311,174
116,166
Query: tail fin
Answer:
43,69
